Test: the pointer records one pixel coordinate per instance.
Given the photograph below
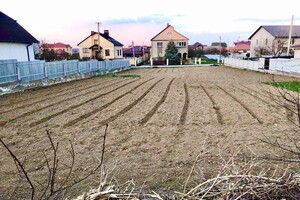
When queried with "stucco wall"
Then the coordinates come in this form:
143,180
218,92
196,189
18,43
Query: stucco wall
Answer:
297,54
259,40
165,36
104,43
16,51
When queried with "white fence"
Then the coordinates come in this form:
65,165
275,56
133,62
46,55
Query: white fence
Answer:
285,65
244,64
12,71
277,65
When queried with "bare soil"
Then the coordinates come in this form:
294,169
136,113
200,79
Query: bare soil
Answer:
158,123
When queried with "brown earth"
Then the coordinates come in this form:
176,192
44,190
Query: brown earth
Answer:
158,123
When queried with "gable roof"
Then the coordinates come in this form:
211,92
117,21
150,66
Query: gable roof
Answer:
281,31
112,40
166,29
56,45
11,31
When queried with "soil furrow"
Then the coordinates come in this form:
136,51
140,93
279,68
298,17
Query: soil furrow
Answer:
86,115
127,108
243,105
77,105
215,106
50,105
50,98
185,109
256,97
50,92
157,105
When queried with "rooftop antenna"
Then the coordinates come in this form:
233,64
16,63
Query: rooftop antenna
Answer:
290,36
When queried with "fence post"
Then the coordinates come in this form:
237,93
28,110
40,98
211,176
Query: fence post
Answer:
90,67
18,72
64,69
45,70
78,68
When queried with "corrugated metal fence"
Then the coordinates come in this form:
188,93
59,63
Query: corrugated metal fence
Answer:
12,71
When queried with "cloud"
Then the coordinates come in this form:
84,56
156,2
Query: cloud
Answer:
265,21
156,18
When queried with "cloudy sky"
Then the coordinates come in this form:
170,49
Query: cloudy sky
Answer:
71,21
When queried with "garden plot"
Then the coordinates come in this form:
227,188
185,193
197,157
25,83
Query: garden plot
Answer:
157,123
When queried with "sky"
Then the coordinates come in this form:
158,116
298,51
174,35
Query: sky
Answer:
70,21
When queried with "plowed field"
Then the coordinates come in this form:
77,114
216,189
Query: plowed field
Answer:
157,124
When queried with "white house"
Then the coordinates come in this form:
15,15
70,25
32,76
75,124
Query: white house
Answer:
160,42
109,47
15,41
273,40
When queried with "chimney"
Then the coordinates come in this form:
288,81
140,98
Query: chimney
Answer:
93,32
106,33
168,24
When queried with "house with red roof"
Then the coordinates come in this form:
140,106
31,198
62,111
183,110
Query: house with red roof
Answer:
15,41
59,48
240,47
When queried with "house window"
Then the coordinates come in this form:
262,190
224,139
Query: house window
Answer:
159,44
293,40
95,41
119,52
107,53
85,50
181,44
266,41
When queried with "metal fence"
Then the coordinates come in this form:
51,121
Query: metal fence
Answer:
13,71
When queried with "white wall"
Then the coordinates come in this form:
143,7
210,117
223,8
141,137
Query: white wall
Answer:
16,51
259,40
297,53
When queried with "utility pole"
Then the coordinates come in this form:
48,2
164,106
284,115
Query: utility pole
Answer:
290,36
220,50
99,48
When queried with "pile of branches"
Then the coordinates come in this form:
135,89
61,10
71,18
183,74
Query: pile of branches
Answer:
246,187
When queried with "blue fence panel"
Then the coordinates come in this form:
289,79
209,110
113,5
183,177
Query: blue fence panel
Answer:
94,65
11,70
70,67
8,71
31,70
101,66
84,67
54,69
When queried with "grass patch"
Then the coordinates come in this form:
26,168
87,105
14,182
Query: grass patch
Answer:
292,85
121,75
209,61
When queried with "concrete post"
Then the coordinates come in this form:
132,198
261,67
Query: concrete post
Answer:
167,62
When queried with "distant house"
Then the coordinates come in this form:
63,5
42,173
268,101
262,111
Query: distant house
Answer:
217,44
15,41
196,46
273,40
136,51
109,47
240,47
59,48
160,41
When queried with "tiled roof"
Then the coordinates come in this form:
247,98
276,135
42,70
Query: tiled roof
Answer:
11,31
281,31
56,45
112,40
